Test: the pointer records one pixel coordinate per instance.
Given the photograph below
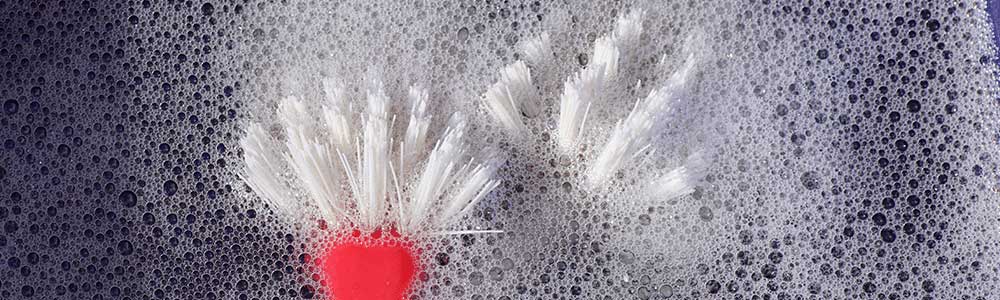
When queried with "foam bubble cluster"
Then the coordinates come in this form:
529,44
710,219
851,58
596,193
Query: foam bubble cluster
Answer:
842,149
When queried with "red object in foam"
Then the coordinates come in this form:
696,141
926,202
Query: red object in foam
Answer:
369,268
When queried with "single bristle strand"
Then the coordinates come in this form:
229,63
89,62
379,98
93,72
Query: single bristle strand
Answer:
464,232
312,161
506,98
399,206
264,166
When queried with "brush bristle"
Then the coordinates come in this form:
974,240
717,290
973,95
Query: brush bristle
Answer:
537,50
264,168
574,105
415,140
628,28
312,161
587,85
373,186
337,115
450,183
422,194
682,180
506,98
633,135
606,56
627,140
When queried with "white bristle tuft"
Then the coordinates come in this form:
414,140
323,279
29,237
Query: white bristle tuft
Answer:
505,98
518,79
337,115
264,166
588,85
682,180
629,137
313,161
632,135
628,28
537,50
438,174
415,140
574,105
423,197
478,183
606,55
373,185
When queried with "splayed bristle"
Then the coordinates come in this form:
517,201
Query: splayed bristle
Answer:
588,85
517,76
446,187
606,55
628,28
294,114
628,139
537,50
574,105
438,173
506,98
264,166
312,161
374,160
337,115
478,183
682,180
415,140
632,135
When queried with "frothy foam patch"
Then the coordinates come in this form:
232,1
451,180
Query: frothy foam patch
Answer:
848,147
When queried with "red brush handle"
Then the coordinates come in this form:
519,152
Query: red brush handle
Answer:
369,268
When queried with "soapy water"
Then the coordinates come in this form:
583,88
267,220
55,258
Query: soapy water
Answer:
848,146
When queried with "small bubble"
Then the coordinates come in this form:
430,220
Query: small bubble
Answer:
822,54
125,247
10,106
888,235
705,213
933,25
63,150
207,9
476,278
810,180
